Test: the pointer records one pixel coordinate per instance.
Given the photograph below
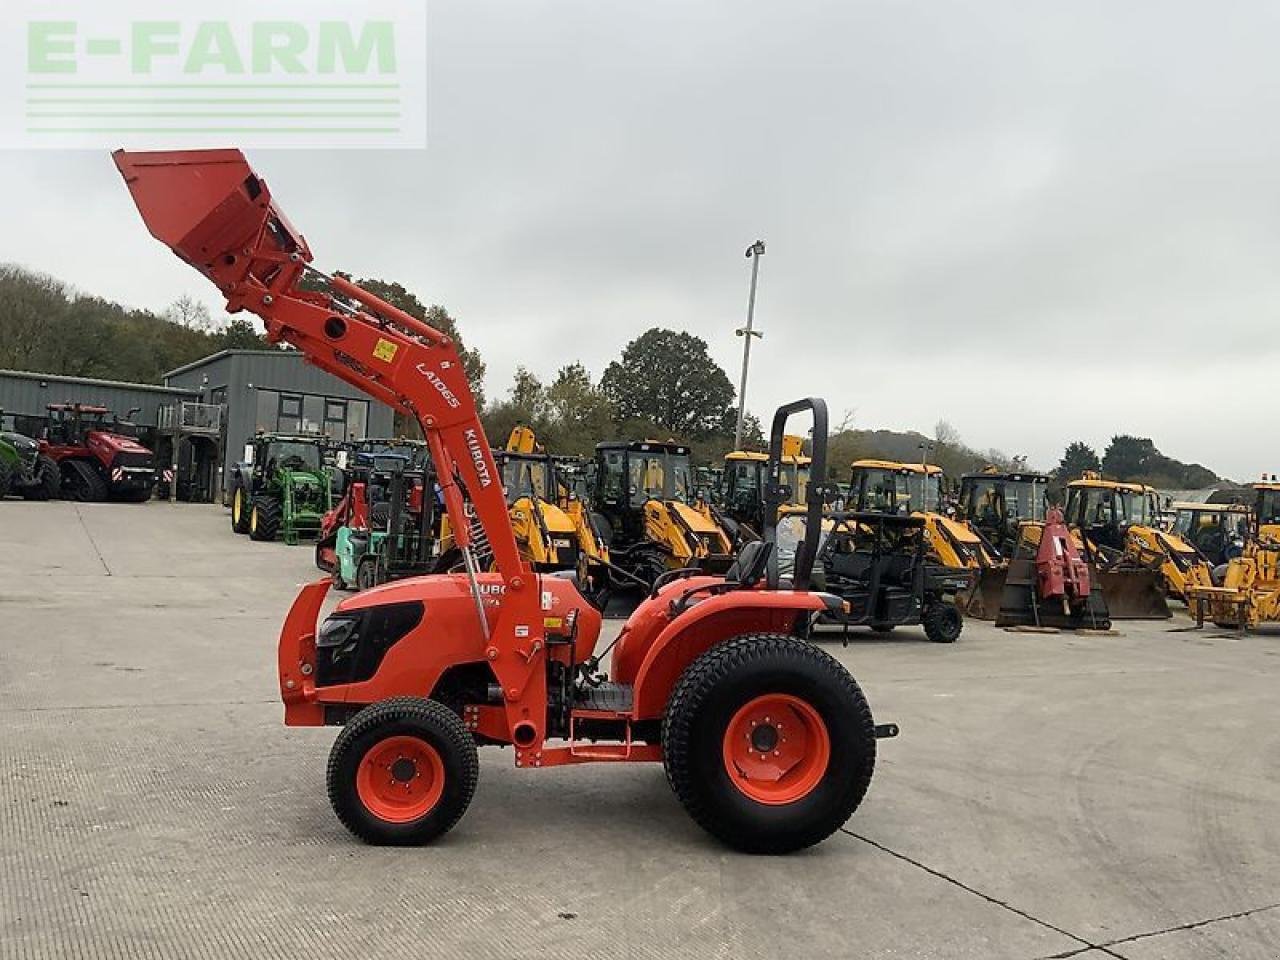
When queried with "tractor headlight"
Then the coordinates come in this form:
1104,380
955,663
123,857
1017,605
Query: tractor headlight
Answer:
350,644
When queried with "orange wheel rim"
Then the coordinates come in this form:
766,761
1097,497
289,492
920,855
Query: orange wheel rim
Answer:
776,749
400,779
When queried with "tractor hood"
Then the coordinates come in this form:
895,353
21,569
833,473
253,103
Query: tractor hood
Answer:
26,448
107,444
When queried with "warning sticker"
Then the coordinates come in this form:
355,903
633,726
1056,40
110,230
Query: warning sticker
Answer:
385,350
522,630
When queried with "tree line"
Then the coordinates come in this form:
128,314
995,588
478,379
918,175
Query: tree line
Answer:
664,385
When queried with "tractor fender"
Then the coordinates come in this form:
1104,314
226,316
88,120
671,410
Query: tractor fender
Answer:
654,667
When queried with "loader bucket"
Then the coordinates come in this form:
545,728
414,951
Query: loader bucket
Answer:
982,600
208,207
1135,594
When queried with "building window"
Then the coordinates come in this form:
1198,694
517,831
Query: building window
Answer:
335,419
290,417
357,418
268,411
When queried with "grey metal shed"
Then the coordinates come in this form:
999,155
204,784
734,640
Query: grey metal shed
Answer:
276,390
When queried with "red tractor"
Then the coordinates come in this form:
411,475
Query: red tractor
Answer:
766,739
96,460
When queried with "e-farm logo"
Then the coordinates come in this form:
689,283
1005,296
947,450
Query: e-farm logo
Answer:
145,73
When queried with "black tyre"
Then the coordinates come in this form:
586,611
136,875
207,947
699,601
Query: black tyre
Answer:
264,518
47,481
403,771
367,572
82,483
6,478
943,622
137,496
723,761
240,508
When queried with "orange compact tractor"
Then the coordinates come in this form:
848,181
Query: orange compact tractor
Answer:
766,739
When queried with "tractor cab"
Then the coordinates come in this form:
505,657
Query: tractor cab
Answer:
741,493
994,503
887,486
1217,530
1266,509
1106,509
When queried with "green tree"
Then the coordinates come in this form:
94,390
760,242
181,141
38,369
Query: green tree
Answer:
1076,459
1128,457
240,334
668,378
580,412
438,317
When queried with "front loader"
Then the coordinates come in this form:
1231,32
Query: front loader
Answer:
766,739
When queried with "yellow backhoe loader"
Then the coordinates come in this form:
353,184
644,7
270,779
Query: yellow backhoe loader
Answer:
552,527
1139,564
1004,509
647,509
741,494
1249,590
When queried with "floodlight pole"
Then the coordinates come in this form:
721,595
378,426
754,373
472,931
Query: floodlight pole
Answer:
754,253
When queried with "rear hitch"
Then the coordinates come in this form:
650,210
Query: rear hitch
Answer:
886,731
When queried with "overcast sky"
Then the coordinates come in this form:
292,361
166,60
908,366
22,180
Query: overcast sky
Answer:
1039,221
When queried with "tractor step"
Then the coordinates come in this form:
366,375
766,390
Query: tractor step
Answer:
606,698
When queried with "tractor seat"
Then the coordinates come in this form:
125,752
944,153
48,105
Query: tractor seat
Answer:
750,565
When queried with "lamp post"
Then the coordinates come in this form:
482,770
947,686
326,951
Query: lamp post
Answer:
754,253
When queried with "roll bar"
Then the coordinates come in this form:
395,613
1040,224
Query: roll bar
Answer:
777,493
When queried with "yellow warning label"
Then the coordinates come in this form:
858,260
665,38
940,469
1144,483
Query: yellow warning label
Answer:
385,350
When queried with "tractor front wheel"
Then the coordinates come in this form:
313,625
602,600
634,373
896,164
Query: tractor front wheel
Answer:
6,478
240,509
80,482
264,518
47,481
367,572
768,743
943,623
403,771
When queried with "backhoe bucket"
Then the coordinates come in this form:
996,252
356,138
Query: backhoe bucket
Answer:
982,600
208,207
1135,594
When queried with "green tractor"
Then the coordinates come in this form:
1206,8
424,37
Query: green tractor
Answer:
25,470
282,487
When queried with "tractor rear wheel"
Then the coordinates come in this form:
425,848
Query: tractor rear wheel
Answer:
6,478
240,509
943,623
402,771
80,482
47,480
264,518
768,743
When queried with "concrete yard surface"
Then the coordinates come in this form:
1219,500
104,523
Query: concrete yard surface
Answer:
1050,795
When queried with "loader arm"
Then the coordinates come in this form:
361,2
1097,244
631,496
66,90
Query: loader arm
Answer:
214,212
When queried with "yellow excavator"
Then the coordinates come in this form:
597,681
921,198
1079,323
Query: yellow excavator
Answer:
890,486
1138,562
1249,591
648,510
741,493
